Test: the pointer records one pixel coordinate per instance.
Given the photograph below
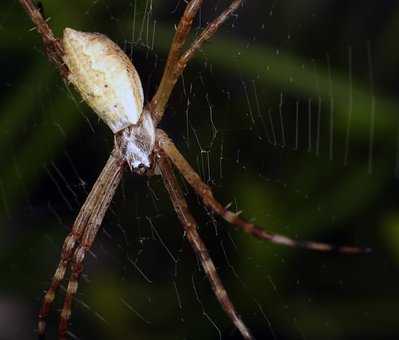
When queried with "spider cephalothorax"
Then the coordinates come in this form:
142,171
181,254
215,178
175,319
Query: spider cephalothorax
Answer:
109,83
137,143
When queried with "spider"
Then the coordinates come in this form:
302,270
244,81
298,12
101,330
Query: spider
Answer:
146,150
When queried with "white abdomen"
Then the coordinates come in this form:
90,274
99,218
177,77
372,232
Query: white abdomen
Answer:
105,77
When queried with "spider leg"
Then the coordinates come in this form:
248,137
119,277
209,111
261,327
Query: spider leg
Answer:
104,186
190,226
59,274
76,270
205,192
167,81
52,45
177,63
107,184
206,34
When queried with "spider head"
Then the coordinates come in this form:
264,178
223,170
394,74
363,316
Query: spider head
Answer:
137,144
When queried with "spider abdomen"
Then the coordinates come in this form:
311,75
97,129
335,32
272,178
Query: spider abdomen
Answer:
105,77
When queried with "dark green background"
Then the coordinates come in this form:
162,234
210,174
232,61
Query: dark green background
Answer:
52,148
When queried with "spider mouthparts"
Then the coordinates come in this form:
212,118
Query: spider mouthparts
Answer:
141,169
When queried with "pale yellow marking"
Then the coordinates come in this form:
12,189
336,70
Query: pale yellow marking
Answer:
105,77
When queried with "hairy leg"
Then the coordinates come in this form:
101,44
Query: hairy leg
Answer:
110,179
52,45
167,81
102,191
190,226
205,192
177,62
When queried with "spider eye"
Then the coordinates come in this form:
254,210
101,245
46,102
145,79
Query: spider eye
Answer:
105,77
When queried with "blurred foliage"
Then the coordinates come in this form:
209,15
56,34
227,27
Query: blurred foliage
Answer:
325,73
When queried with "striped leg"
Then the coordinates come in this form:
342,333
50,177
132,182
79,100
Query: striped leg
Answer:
90,207
110,178
205,192
168,79
178,61
59,274
76,270
190,226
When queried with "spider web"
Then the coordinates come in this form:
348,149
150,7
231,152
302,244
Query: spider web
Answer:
289,113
